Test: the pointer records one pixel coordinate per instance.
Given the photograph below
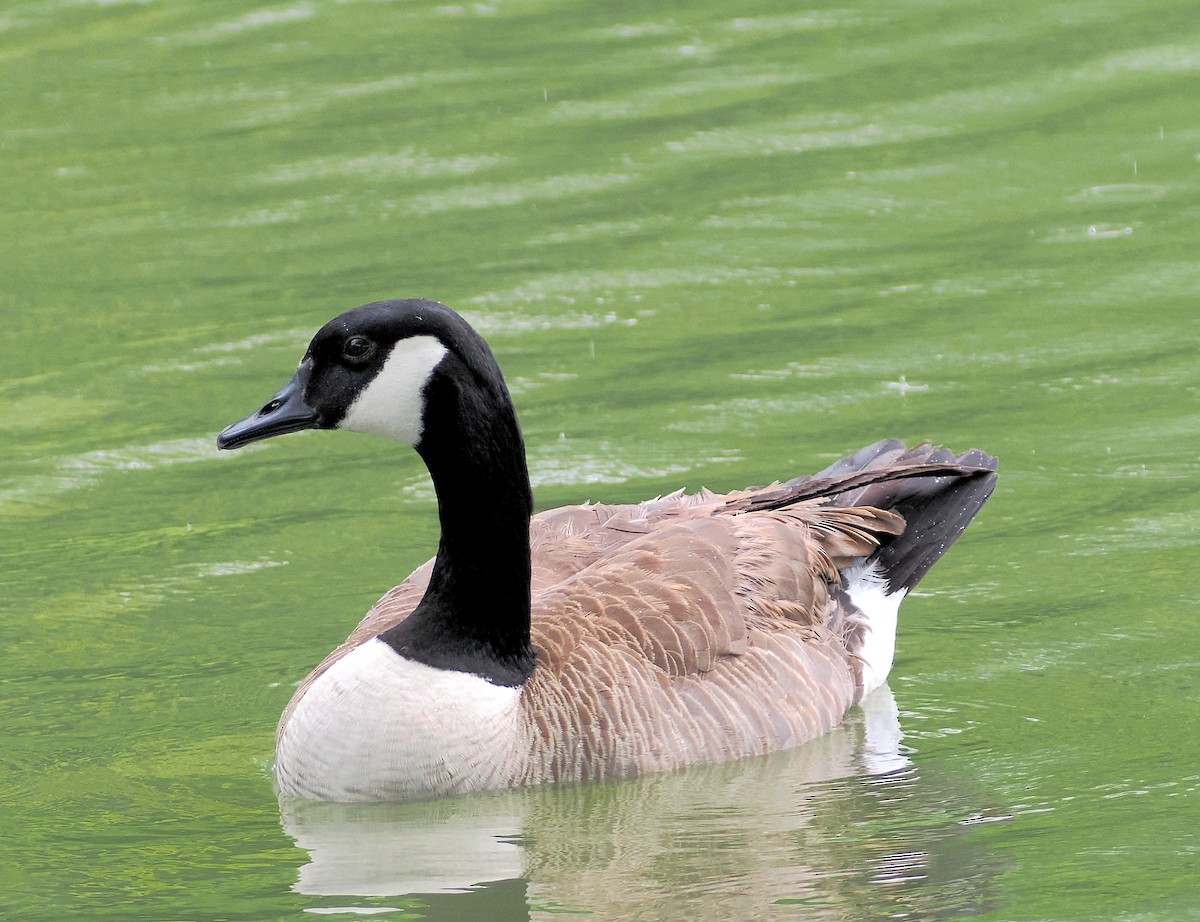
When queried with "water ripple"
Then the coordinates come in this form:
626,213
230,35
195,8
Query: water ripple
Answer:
518,192
410,162
90,468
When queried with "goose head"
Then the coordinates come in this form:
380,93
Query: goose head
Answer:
370,370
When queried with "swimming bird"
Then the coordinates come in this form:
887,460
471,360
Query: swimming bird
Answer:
594,641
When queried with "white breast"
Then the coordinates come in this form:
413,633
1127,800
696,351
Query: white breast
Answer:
378,726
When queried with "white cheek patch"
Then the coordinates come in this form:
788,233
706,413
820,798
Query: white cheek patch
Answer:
393,404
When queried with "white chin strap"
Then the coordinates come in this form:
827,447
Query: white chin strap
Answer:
393,404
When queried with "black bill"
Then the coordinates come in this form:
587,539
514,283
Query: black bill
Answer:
283,413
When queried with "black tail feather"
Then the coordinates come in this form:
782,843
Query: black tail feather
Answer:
936,491
936,510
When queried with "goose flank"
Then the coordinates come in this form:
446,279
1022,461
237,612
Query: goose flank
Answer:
594,641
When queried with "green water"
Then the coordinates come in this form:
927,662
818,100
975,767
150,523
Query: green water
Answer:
711,245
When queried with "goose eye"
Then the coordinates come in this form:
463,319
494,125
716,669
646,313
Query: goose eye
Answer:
357,348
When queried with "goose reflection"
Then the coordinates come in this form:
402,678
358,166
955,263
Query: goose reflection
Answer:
719,841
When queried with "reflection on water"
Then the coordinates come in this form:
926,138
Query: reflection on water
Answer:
808,828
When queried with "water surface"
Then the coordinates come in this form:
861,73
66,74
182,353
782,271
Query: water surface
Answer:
710,246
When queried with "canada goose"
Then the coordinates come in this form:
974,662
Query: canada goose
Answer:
681,630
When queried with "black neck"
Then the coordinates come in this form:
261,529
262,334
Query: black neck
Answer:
474,616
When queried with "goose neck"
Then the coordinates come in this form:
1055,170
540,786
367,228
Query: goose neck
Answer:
475,615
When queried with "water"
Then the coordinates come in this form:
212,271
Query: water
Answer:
711,246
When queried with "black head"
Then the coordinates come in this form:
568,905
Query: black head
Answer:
367,370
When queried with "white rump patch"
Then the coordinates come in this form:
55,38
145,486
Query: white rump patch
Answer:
868,590
393,404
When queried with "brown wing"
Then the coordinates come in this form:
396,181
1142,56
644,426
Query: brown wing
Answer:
709,637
